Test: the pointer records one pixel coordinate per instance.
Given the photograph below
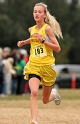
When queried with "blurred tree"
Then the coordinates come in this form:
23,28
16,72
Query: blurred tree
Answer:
60,10
5,30
74,17
16,16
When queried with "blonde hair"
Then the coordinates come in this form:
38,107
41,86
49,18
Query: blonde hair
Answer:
1,51
51,21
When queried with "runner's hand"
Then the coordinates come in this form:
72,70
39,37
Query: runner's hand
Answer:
38,36
20,43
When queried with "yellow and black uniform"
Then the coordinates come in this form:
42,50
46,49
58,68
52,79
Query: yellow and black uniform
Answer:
41,61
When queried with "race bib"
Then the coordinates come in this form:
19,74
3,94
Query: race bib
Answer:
39,51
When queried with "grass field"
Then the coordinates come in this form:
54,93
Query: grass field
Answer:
15,109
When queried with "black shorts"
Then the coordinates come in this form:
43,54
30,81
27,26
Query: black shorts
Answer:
34,75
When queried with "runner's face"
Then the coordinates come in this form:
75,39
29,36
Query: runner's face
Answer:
39,13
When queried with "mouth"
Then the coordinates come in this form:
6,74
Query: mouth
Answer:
37,17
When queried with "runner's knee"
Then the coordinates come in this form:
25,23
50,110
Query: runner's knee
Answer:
34,93
45,101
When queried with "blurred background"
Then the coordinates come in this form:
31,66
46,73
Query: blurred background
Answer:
16,16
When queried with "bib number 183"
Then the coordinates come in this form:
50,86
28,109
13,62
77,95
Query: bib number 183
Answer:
39,51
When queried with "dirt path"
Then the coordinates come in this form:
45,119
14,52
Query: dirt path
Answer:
18,112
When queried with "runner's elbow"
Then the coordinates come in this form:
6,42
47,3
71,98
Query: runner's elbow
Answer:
58,49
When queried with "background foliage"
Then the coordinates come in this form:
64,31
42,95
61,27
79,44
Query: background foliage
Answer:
16,17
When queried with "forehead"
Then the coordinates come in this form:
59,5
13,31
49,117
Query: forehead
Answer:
39,8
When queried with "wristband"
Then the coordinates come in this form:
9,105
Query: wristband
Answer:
43,40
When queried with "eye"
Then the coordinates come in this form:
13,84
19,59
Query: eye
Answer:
40,11
35,11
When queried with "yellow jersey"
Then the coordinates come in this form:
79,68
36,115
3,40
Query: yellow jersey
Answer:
40,54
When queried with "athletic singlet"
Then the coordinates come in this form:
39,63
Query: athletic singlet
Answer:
40,54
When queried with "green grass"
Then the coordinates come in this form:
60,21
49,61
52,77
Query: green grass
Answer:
66,94
70,94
